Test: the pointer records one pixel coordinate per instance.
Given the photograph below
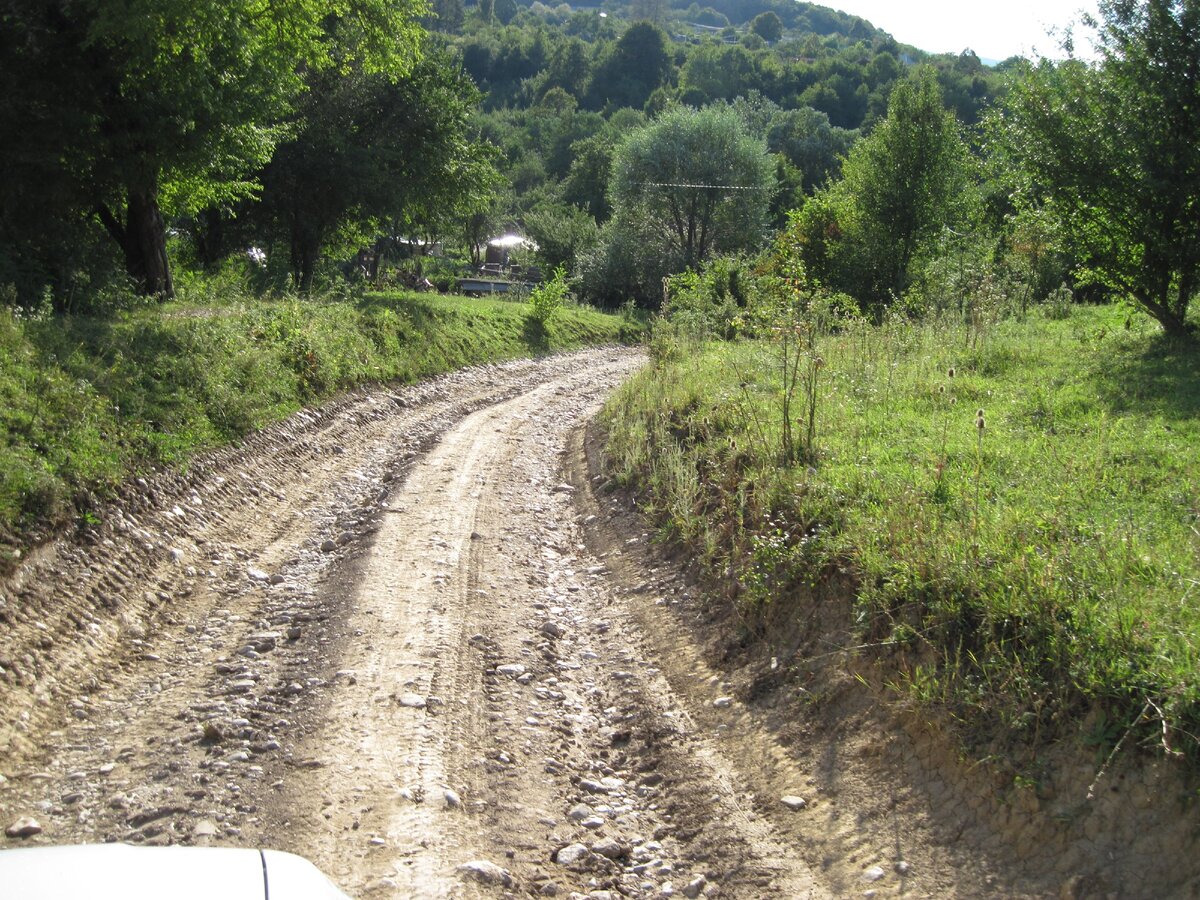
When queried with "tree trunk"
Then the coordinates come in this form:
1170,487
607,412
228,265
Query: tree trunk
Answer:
210,237
143,239
306,249
146,243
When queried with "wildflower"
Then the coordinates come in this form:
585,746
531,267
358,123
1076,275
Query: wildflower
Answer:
979,421
818,363
950,372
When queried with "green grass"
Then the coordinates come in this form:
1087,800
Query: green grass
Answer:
1024,577
87,401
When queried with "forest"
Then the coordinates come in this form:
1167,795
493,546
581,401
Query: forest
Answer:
149,142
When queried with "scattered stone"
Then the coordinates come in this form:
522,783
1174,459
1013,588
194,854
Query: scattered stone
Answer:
593,787
452,799
873,874
412,701
553,629
24,827
592,822
580,812
277,579
793,802
328,546
609,848
257,575
723,702
695,887
106,769
485,872
205,828
512,670
572,855
902,867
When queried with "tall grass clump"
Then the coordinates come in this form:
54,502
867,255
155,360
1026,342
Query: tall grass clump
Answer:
1017,500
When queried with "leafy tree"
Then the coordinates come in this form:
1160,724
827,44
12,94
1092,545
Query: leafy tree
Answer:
155,102
1111,152
767,26
901,186
371,151
633,68
690,184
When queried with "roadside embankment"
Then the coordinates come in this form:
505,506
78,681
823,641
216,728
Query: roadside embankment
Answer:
86,402
989,531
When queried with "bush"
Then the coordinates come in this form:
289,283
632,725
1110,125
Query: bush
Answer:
549,297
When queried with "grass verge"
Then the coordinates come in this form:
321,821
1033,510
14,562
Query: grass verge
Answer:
85,402
1018,507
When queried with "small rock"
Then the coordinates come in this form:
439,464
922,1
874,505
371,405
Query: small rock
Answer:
572,855
553,629
485,872
452,799
580,812
257,575
593,787
902,867
792,802
512,670
328,546
695,887
24,827
873,874
592,822
277,579
412,701
609,848
723,702
205,828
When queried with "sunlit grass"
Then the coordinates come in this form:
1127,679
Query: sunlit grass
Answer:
1032,569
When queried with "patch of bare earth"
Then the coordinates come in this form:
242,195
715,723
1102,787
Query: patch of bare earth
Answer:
410,636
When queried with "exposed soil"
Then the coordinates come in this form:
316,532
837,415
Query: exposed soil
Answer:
413,637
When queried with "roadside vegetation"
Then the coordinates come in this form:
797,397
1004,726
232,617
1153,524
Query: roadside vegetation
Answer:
964,383
1017,503
88,401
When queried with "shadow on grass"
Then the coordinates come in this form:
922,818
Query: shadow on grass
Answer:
537,338
1163,376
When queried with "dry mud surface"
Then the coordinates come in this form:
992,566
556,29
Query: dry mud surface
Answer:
409,637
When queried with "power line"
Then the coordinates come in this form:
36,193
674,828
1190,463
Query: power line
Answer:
720,187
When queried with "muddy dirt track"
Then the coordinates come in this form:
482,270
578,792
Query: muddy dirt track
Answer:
409,637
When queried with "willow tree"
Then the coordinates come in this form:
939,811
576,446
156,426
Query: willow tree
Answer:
141,104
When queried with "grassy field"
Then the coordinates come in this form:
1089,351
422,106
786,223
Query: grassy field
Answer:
85,402
1019,506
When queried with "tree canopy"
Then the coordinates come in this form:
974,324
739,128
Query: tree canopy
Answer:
1109,151
138,104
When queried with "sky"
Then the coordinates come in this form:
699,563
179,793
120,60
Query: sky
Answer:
995,30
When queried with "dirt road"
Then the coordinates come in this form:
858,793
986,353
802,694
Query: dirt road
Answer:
374,635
